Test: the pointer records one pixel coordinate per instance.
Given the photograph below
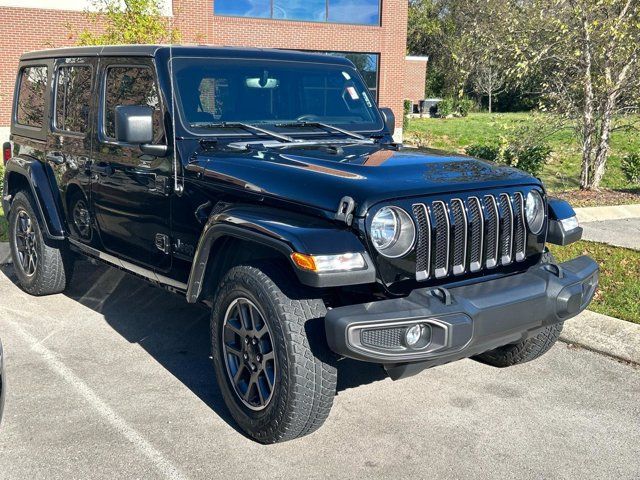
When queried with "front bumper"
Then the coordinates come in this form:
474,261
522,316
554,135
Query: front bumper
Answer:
463,321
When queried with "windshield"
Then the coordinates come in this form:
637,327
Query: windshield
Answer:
213,91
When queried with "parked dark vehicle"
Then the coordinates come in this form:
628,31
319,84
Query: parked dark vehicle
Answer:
267,184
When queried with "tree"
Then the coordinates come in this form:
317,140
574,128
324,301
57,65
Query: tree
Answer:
128,22
489,80
587,53
460,38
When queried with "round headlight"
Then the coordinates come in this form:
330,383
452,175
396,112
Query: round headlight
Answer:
534,211
392,232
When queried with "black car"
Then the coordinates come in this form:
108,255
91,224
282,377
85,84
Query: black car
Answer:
267,185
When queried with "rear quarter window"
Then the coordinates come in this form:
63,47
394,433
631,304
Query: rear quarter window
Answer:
31,96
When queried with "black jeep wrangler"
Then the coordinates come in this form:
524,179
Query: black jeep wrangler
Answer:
267,185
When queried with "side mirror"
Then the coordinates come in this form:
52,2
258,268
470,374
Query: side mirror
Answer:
389,119
134,124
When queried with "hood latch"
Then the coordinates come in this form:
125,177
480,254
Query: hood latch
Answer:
345,210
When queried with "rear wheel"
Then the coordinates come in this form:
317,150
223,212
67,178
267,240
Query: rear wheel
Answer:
523,351
274,369
41,269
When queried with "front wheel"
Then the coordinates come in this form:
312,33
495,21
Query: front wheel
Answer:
271,361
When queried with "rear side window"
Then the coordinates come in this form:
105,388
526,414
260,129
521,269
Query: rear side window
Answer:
73,95
130,86
33,87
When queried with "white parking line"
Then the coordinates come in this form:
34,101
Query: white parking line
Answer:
164,466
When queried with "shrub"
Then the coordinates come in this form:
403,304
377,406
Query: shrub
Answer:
631,167
465,105
459,107
486,152
1,177
418,139
408,109
531,158
447,107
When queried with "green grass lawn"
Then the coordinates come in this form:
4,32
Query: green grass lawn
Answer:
619,292
4,227
563,170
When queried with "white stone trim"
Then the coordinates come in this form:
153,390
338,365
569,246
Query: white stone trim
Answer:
70,5
413,58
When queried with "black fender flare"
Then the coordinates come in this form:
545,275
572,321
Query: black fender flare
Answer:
285,232
47,201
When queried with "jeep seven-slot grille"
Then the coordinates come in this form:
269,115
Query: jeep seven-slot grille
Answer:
469,234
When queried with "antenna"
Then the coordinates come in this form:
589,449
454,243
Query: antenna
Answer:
177,186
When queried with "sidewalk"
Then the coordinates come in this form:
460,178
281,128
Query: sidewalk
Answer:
618,225
615,212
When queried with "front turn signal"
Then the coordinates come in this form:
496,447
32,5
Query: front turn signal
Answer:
343,262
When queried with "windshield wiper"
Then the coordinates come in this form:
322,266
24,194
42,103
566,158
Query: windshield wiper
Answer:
325,126
246,126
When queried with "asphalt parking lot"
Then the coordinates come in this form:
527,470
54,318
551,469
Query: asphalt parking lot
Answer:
113,380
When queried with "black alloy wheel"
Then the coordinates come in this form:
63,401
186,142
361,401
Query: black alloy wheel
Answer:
82,219
248,354
26,243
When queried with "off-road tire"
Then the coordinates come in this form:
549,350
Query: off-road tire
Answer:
523,351
306,377
528,349
54,264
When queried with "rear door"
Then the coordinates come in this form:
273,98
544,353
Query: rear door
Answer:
128,191
69,141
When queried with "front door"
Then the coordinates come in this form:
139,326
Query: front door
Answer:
130,201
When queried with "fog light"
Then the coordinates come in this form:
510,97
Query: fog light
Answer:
413,335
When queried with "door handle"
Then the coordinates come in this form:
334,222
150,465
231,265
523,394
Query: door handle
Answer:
102,169
56,157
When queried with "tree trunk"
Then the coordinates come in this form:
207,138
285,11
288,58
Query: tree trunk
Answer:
587,113
602,152
490,102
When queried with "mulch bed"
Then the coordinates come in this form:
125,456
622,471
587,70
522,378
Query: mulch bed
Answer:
599,198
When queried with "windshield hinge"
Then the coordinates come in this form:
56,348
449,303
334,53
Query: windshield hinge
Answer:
345,210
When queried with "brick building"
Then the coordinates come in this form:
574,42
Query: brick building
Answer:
414,78
372,33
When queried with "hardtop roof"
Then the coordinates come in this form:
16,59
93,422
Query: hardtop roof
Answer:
183,50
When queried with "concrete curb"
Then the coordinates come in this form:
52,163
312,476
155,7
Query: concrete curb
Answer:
615,212
603,334
5,253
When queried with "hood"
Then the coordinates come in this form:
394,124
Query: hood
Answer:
369,174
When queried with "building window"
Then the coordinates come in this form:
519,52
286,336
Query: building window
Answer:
33,87
363,12
131,86
367,64
73,97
